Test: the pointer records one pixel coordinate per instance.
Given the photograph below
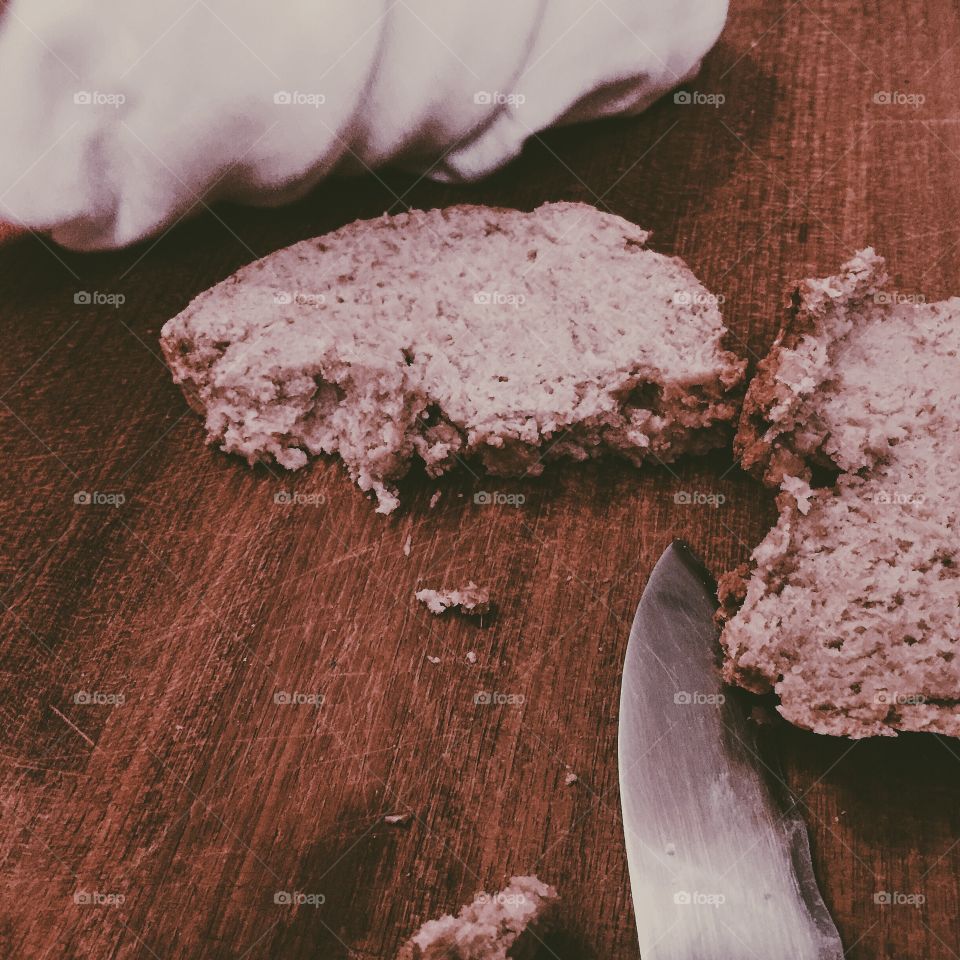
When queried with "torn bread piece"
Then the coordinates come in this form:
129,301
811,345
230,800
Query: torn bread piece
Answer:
850,607
514,338
469,599
493,927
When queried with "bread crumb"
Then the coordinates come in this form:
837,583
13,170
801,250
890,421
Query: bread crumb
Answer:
469,599
435,499
486,929
471,657
407,545
570,778
433,659
398,819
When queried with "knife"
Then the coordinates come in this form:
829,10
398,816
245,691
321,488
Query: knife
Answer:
720,866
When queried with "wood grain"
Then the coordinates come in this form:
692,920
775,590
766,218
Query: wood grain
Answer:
199,599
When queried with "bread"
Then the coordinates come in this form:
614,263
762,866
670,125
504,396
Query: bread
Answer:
469,599
490,928
850,609
512,337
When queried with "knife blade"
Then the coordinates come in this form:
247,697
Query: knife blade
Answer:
720,868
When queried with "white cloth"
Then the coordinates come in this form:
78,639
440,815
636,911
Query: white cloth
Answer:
119,116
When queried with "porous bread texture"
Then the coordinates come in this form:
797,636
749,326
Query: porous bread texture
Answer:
850,609
490,928
514,337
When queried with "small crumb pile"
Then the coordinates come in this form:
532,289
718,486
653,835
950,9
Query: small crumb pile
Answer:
469,599
486,929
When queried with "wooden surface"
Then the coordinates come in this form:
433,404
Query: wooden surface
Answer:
199,599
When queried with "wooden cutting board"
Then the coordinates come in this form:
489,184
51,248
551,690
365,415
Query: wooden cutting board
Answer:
146,643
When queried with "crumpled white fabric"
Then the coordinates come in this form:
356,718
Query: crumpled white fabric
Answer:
120,116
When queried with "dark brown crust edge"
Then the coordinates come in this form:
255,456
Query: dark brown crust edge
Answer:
766,461
769,461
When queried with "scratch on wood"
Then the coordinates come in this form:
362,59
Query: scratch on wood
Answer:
71,725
